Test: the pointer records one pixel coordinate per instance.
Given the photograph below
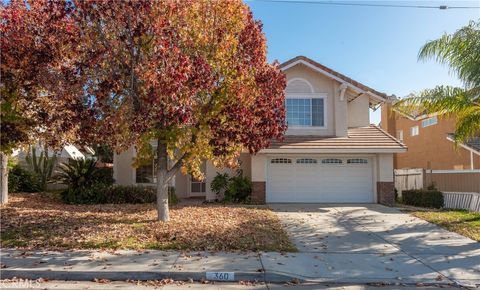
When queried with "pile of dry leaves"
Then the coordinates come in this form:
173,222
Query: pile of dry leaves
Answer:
35,221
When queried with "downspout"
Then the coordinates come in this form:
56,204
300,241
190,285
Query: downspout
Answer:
471,160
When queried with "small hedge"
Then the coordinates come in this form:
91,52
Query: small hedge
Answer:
423,198
117,194
21,180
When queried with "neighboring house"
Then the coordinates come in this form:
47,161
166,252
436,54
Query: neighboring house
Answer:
330,152
67,152
429,140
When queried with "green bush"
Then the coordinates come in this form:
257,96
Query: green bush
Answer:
233,189
21,180
92,194
423,198
77,173
219,185
104,175
42,166
100,193
239,189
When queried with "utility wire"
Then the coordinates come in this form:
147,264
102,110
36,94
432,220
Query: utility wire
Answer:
333,3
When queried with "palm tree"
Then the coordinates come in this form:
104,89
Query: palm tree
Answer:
460,51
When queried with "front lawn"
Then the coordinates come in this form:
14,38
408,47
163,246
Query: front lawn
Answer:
36,221
459,221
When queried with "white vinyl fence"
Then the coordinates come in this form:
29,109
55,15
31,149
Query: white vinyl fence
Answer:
460,188
462,200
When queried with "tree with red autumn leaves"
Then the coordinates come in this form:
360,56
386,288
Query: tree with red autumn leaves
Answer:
39,83
190,75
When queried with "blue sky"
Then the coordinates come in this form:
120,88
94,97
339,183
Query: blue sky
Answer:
375,46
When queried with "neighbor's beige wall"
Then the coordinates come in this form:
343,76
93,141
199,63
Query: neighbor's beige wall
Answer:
358,114
123,171
321,84
385,167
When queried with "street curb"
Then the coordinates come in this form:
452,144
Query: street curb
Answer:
122,275
270,277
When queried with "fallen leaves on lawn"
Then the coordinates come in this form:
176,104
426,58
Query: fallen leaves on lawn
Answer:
35,221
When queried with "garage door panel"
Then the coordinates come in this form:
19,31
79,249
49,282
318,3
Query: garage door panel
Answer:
320,182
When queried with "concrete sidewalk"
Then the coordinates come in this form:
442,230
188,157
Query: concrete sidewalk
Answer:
266,267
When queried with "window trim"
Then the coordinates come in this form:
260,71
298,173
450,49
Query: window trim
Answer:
309,96
400,135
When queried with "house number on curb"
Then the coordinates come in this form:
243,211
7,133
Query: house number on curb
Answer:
220,276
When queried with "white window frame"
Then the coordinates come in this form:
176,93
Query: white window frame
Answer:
310,96
429,121
400,135
414,131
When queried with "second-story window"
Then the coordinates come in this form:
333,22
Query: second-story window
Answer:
305,112
429,121
414,131
400,135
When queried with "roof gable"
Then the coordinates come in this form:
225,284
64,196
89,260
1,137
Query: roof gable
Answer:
375,96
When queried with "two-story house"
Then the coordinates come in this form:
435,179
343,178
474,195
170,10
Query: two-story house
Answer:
330,154
430,141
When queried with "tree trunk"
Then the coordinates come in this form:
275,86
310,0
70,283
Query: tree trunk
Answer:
4,179
162,182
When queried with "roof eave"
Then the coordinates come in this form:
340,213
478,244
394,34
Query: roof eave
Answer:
301,60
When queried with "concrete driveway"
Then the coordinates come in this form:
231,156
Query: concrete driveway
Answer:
373,243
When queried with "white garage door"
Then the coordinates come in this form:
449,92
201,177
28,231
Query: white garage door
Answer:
319,179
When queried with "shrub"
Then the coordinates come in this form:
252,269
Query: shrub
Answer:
21,180
423,198
100,193
219,185
92,194
41,166
232,189
239,189
78,173
104,175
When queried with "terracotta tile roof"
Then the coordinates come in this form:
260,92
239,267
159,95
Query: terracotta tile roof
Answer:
371,137
335,73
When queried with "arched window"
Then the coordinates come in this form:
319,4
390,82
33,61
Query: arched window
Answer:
299,85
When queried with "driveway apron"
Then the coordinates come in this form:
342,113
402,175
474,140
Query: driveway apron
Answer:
371,242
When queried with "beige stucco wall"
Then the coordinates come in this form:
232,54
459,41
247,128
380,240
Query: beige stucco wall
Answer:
181,184
321,85
259,167
341,112
123,172
385,167
358,113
